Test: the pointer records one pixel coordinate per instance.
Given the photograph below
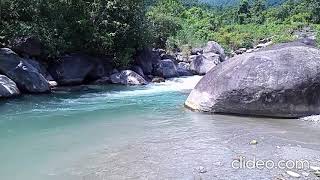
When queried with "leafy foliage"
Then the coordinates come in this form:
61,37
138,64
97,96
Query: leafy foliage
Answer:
91,26
120,27
239,26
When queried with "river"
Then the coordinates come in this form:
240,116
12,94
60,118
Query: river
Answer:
116,132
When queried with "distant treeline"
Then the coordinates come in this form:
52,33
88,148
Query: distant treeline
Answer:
120,27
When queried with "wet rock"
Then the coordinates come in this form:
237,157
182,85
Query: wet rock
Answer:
27,77
167,69
77,69
202,64
281,82
158,80
8,88
147,59
127,77
40,67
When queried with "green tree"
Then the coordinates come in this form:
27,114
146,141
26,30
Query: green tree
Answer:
257,11
165,20
315,10
244,12
90,26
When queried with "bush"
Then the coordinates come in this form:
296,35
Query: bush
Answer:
106,27
164,20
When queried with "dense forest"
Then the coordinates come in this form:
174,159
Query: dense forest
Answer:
120,27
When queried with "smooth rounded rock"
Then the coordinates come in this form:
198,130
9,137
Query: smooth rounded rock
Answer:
167,69
128,77
281,82
27,77
8,88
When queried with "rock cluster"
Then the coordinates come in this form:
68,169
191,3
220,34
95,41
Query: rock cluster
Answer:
23,70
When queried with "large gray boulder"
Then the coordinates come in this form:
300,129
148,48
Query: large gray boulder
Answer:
8,88
128,77
201,64
147,59
281,82
214,47
40,67
167,69
27,78
77,69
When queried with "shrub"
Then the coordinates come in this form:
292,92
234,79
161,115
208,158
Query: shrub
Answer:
105,27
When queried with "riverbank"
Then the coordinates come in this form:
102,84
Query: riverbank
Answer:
119,132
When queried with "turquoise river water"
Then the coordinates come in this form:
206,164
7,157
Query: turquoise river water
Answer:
114,132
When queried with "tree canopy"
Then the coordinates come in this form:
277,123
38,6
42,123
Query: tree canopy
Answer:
120,27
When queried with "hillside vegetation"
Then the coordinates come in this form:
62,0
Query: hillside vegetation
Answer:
120,27
235,27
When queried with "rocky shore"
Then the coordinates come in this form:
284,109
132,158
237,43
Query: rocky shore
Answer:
24,70
280,80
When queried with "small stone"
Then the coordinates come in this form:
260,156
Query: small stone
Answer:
202,170
254,142
293,174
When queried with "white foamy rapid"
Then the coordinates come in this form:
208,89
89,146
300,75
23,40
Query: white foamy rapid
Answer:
176,84
98,100
171,85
